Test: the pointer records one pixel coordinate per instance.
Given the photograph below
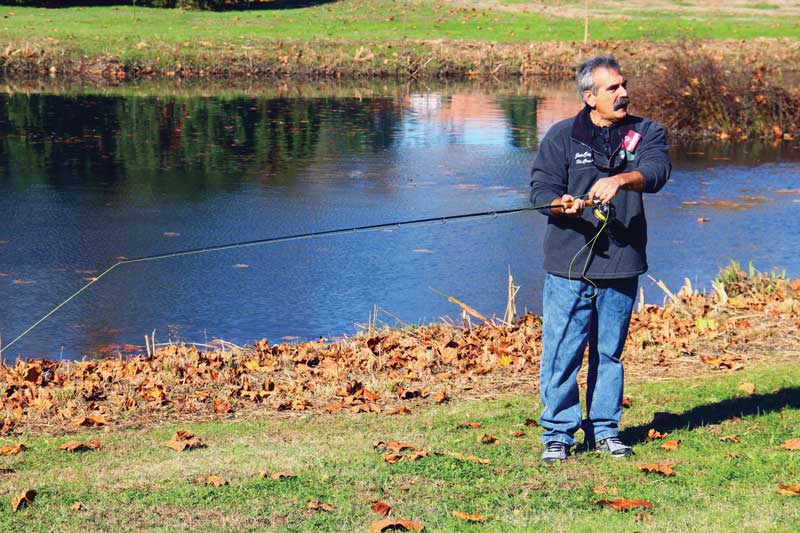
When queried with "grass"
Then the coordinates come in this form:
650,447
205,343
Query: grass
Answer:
143,32
134,482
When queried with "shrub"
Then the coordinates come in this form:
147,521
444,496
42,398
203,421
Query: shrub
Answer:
693,94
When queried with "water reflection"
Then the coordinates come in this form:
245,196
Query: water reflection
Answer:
88,178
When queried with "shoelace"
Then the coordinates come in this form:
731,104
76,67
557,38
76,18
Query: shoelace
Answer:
555,446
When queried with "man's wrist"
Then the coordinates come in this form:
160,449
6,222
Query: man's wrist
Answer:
630,181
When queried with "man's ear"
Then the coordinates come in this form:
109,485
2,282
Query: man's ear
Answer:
590,98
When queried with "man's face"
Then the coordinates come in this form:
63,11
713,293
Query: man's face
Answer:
611,90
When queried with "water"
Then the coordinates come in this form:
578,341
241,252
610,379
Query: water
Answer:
89,178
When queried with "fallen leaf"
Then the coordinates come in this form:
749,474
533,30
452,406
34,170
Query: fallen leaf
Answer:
748,388
75,446
382,508
222,407
216,481
622,504
277,476
652,434
75,507
469,425
395,524
400,411
665,469
791,445
626,402
441,396
23,499
733,455
316,505
643,516
670,445
487,438
517,433
469,517
393,458
12,449
604,490
184,440
729,438
788,490
531,422
90,421
399,446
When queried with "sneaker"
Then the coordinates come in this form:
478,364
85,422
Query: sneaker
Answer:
555,452
614,447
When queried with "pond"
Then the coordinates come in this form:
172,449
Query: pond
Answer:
88,178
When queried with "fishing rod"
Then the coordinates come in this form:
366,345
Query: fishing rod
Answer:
598,209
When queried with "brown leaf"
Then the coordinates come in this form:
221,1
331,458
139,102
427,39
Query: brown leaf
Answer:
626,402
90,421
75,446
733,455
6,470
216,481
23,499
12,449
394,524
75,507
643,516
531,422
469,517
393,458
222,407
469,425
382,508
399,446
184,440
409,393
671,445
665,469
622,504
400,411
788,490
517,433
791,445
316,505
487,438
472,458
748,388
441,396
729,438
604,490
652,434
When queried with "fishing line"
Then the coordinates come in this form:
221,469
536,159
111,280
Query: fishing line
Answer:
302,236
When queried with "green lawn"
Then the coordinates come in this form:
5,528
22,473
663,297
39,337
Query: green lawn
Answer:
134,482
128,33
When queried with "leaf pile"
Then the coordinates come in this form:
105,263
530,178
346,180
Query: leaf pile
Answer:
380,371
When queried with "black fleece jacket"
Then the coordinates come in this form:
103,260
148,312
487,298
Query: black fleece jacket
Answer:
571,158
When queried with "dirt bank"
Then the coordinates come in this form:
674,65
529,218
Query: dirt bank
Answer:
400,60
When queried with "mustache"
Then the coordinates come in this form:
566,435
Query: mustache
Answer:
621,103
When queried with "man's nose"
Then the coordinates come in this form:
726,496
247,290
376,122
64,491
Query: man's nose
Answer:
622,91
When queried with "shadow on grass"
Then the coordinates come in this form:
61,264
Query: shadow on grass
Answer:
238,5
714,413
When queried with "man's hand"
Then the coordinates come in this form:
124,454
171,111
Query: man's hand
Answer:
568,206
606,188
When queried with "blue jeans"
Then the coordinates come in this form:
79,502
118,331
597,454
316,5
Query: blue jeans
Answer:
569,324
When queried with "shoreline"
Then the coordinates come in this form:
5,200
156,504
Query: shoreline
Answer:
403,60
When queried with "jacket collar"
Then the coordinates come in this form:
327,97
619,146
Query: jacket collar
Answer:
582,126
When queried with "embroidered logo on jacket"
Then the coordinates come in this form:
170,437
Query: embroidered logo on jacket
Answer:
581,158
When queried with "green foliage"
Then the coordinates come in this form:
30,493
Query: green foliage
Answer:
735,281
196,4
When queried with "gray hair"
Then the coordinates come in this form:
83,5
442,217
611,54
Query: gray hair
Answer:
585,76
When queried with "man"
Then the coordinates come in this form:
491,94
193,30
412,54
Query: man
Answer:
603,158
